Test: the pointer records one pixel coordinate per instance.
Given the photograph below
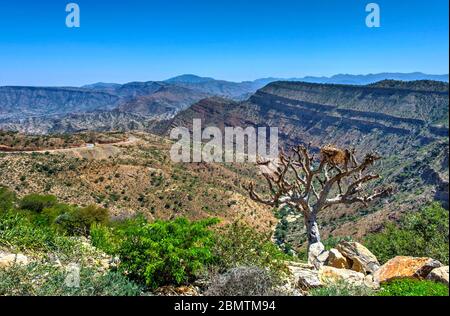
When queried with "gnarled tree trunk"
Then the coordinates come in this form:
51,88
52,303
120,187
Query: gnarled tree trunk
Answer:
312,229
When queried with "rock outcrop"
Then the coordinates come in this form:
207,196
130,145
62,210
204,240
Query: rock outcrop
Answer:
360,258
405,267
334,275
337,260
304,277
439,275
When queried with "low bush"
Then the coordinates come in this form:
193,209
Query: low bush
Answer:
50,214
37,203
243,281
105,238
7,199
18,231
240,245
412,287
420,234
78,221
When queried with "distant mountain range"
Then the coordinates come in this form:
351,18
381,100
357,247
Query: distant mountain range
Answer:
190,79
153,99
372,78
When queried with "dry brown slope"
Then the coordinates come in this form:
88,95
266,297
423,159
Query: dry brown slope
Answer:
136,177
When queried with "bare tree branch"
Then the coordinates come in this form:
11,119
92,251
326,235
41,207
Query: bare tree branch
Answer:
294,181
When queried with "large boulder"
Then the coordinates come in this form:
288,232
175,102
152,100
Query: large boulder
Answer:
334,275
439,275
405,267
9,259
360,258
317,255
337,260
305,278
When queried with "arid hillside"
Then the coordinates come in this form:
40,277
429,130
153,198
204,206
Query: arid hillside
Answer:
136,176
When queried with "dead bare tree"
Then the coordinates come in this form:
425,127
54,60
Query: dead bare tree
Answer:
309,186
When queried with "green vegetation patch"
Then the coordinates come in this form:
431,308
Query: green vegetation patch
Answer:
412,287
420,234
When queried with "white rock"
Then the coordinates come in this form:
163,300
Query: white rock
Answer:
317,255
439,275
9,259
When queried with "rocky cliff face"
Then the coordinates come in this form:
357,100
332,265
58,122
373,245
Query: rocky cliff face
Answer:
74,123
20,102
167,100
343,115
428,106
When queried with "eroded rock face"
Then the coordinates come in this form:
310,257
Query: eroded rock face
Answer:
405,267
369,282
337,260
304,278
439,275
335,275
9,259
362,260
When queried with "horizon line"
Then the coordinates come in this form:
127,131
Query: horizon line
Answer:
237,81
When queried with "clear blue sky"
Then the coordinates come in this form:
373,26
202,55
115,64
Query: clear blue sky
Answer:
122,41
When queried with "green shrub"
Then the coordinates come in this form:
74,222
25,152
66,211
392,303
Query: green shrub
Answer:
412,287
7,199
78,221
341,289
37,203
163,252
421,234
104,237
240,245
50,214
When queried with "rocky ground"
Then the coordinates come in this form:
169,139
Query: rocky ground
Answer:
349,264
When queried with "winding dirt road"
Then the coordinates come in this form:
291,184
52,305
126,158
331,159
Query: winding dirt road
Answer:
131,140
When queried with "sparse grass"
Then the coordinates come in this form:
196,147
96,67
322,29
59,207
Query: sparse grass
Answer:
342,289
18,231
38,279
